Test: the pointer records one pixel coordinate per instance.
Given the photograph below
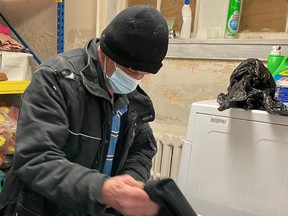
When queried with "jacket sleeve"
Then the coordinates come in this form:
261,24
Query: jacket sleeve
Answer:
39,160
141,153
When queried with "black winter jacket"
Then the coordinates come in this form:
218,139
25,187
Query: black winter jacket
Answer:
62,138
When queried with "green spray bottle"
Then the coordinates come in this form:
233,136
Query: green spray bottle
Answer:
232,19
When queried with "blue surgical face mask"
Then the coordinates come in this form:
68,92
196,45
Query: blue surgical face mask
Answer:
120,82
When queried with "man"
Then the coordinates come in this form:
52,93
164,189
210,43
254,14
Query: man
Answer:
84,144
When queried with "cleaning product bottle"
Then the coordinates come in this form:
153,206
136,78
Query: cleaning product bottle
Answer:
187,20
281,91
274,59
282,70
278,66
232,19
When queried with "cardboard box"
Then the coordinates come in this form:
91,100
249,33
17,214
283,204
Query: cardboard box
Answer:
16,65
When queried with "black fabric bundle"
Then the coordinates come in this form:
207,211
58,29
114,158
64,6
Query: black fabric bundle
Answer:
168,195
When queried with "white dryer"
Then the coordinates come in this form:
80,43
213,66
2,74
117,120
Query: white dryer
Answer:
235,162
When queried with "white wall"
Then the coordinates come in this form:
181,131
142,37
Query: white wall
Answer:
36,23
80,23
181,82
209,18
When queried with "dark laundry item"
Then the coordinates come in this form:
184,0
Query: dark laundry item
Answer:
168,195
251,87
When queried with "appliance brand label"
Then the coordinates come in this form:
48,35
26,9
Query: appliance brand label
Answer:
218,121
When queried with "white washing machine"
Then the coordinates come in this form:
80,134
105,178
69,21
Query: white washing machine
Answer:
235,162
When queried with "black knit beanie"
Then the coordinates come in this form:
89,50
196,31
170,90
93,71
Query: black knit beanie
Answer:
137,38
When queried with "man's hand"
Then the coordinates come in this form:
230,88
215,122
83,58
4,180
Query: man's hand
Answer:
127,196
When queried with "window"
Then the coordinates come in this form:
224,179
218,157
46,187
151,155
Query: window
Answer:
263,19
171,9
263,16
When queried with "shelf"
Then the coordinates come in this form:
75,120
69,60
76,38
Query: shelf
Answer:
13,87
222,49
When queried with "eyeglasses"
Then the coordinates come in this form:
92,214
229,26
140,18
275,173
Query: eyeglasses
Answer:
130,71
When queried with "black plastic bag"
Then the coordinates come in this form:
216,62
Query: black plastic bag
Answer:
251,87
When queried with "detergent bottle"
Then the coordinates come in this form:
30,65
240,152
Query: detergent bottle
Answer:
274,59
278,66
185,31
282,70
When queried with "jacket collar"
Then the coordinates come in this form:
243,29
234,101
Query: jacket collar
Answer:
142,104
92,73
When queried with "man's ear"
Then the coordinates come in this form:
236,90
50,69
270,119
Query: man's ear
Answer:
102,57
100,53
